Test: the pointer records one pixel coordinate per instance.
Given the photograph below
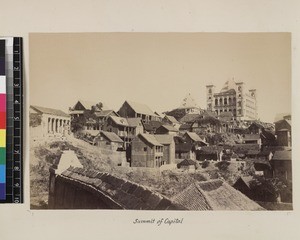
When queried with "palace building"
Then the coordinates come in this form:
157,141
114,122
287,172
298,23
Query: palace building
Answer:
233,97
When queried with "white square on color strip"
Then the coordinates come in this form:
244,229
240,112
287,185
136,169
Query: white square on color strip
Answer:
2,84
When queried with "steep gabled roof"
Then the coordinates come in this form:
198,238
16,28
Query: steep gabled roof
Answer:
88,104
186,162
214,195
141,108
150,139
50,111
151,125
111,136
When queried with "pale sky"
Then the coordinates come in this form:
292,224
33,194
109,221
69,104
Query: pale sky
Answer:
158,69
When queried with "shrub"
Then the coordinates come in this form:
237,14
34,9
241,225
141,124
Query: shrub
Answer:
205,164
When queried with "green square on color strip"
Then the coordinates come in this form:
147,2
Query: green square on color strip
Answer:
2,155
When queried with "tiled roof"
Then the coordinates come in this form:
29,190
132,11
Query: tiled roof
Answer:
125,194
164,138
214,195
285,155
50,111
111,136
150,139
141,108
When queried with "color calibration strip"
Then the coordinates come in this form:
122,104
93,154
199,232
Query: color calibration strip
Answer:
2,122
14,118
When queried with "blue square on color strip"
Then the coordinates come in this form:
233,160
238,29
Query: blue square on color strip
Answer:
2,191
2,173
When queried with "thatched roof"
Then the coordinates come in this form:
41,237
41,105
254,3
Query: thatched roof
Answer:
214,195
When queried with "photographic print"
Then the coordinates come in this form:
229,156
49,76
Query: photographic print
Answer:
160,121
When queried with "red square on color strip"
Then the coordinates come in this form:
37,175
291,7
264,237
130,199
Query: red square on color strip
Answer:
2,102
2,120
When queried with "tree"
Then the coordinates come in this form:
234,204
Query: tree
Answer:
35,119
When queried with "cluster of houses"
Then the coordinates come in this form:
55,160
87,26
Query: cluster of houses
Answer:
150,139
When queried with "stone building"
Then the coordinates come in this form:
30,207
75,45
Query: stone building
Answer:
48,122
233,97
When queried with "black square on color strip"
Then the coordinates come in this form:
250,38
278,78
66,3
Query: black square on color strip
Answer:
16,124
2,66
2,48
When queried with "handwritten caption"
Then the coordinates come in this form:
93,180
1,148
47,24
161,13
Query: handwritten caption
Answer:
159,222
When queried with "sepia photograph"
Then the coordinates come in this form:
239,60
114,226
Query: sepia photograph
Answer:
160,121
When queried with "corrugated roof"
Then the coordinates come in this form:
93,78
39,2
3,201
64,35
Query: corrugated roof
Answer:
141,108
164,138
111,136
150,139
214,195
50,111
285,155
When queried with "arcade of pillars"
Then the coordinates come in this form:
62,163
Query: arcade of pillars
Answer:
57,125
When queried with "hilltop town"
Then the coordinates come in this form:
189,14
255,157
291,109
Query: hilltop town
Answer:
193,156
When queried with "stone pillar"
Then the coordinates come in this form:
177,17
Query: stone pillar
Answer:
49,125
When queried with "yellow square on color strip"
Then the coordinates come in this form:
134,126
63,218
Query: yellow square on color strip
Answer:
2,138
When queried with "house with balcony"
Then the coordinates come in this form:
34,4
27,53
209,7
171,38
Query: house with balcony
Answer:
125,128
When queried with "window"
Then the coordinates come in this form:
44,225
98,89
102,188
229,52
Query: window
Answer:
145,149
225,101
216,102
209,91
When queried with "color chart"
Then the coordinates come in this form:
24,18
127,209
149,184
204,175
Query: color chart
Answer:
2,122
11,120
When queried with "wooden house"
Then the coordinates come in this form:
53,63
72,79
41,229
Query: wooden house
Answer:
146,151
109,140
131,109
166,129
283,131
281,164
169,147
